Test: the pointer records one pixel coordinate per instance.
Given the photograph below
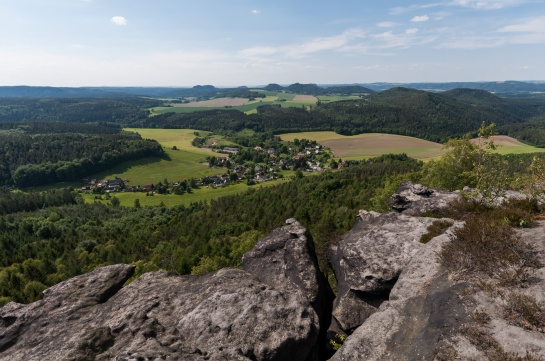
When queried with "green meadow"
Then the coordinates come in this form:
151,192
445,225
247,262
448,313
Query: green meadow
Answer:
204,194
285,100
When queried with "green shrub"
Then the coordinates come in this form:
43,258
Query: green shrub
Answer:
487,245
524,311
437,228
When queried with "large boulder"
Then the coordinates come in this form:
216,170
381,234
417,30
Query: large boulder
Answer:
226,315
368,261
423,310
417,199
286,260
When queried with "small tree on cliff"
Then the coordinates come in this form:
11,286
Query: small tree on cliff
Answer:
469,163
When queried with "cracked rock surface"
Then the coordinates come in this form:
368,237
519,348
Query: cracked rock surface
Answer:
226,315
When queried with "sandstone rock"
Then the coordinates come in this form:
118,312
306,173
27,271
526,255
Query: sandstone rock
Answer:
227,315
286,261
416,199
423,309
368,261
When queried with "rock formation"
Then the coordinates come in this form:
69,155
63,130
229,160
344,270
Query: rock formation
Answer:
429,314
226,315
368,261
417,199
285,260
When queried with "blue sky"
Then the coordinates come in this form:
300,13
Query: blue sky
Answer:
256,42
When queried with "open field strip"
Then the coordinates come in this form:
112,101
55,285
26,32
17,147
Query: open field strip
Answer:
213,103
375,144
336,98
170,200
307,99
508,145
370,145
241,104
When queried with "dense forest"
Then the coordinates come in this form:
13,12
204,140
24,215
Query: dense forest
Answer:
40,247
33,154
81,110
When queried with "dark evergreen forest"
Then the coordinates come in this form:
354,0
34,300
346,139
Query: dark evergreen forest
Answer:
33,154
46,238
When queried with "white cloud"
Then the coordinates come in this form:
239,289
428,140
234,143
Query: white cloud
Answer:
324,43
402,10
486,4
475,42
387,24
258,51
119,20
420,19
256,12
536,25
411,31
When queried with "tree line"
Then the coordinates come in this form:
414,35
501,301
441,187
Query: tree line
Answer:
29,157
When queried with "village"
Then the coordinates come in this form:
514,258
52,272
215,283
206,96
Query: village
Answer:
251,165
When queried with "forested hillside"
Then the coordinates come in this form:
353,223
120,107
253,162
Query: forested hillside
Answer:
426,115
81,110
431,116
33,154
45,246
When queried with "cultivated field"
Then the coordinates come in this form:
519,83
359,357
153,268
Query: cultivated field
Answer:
375,144
285,100
371,145
308,99
508,145
214,103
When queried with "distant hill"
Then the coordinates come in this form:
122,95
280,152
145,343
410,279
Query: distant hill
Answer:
313,89
274,87
348,89
506,88
54,92
404,111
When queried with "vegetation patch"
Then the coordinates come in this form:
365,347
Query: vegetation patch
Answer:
524,311
437,228
487,245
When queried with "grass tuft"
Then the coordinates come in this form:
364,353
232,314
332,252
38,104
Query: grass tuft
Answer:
524,311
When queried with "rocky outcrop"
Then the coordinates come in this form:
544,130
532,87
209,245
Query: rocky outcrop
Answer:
227,315
368,261
417,199
422,310
285,260
431,314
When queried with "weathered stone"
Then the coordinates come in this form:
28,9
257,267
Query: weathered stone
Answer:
423,309
368,261
416,199
286,260
227,315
